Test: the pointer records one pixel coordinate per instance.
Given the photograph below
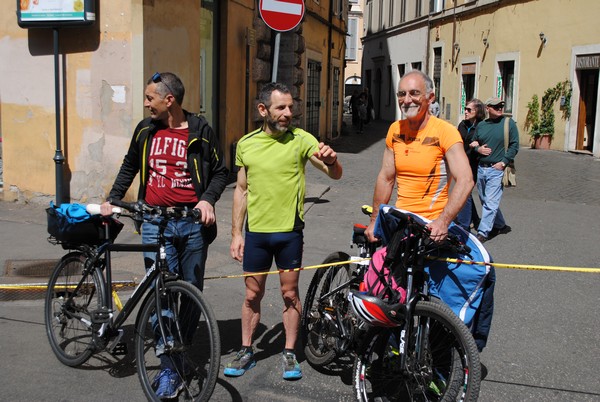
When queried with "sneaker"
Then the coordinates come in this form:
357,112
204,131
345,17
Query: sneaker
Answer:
167,384
243,361
481,238
291,368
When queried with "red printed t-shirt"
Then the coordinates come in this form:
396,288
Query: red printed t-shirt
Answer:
421,173
169,182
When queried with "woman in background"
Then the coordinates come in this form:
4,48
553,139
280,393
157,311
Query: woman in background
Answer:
474,113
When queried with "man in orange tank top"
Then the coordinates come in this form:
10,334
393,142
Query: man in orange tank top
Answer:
422,154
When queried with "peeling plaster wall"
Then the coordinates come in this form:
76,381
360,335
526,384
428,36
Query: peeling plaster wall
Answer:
97,112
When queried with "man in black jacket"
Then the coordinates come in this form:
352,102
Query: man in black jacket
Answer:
180,164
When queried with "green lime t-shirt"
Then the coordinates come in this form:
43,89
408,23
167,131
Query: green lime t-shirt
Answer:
275,172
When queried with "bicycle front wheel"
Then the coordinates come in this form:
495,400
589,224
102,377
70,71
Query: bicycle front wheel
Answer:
326,309
189,352
72,295
442,361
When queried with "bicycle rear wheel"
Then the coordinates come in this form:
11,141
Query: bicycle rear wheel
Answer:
191,347
323,314
68,308
442,361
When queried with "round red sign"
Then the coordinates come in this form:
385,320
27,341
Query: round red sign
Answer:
282,15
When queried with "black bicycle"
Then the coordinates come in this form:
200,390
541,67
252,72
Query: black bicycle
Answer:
175,326
330,329
416,349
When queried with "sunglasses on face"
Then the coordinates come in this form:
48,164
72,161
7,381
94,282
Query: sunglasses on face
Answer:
497,107
413,93
468,109
156,78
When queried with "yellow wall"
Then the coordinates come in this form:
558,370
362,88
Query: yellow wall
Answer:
513,29
236,20
96,104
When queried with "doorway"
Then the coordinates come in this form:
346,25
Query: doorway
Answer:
588,89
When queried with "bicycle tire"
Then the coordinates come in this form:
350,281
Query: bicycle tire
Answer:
448,369
193,351
68,315
321,338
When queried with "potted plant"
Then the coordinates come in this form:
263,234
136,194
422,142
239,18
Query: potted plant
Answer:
532,120
541,124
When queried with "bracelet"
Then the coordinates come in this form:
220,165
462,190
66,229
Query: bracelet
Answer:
332,163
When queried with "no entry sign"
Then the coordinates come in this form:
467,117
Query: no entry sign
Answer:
281,15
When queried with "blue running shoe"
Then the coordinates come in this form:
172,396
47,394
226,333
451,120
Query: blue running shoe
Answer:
167,384
291,368
243,361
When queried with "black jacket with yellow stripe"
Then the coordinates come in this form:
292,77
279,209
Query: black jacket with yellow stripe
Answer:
204,157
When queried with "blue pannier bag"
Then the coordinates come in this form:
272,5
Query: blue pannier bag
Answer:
459,284
71,224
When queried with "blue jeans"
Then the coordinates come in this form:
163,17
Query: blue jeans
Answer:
467,214
185,246
490,188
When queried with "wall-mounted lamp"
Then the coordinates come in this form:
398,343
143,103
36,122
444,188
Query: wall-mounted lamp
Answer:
456,46
543,38
485,42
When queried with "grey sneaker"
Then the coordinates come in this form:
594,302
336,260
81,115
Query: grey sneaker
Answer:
243,361
291,368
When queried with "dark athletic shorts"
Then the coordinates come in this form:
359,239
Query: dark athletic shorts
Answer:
260,248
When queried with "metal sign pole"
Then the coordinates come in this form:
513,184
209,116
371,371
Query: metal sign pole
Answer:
276,57
59,159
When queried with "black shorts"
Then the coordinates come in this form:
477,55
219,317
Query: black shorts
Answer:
261,248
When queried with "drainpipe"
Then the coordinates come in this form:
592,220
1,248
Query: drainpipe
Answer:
454,51
427,56
329,94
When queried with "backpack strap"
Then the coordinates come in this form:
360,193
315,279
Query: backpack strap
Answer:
506,121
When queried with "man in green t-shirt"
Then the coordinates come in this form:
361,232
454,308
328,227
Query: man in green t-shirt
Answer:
269,196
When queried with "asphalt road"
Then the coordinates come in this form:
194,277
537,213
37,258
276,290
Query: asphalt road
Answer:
546,328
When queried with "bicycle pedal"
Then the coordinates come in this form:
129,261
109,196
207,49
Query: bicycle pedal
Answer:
120,349
101,316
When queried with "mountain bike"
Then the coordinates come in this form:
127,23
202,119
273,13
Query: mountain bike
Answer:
330,328
416,349
175,326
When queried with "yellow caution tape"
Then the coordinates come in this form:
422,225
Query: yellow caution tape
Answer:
518,266
279,271
31,286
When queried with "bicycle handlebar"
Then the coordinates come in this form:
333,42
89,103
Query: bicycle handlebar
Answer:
141,207
452,241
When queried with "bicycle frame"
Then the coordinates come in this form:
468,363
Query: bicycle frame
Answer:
155,275
417,289
365,251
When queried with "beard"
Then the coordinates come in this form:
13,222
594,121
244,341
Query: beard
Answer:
276,125
410,111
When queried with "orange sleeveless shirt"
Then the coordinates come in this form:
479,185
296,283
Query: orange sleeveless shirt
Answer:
421,173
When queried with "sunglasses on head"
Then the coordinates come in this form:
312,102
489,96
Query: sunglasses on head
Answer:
156,78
